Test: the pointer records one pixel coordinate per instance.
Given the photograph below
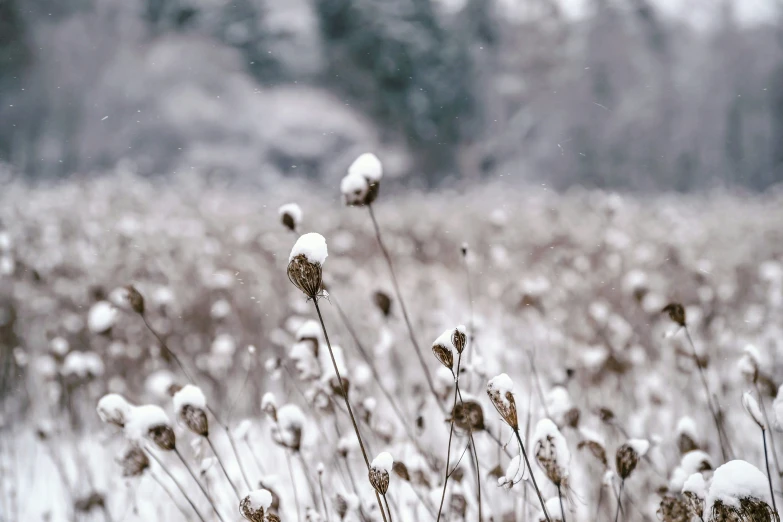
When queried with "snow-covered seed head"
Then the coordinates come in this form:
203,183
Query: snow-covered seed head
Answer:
551,452
459,339
695,491
269,405
152,422
596,447
114,409
628,455
752,407
442,350
360,186
290,423
749,363
134,461
468,415
401,470
255,505
305,264
290,216
190,404
383,301
676,313
135,299
379,472
499,390
687,435
458,503
674,508
272,517
340,506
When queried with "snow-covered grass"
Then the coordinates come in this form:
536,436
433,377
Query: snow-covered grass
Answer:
567,297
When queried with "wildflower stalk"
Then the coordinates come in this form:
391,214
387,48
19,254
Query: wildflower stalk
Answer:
560,497
386,501
472,446
532,475
171,496
293,485
345,398
176,483
619,501
305,472
451,436
769,476
397,291
771,435
223,467
201,487
323,497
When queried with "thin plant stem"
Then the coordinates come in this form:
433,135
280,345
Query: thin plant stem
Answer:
293,485
176,483
345,398
451,436
532,475
472,327
222,466
619,501
718,427
201,487
562,510
323,497
305,470
170,495
771,435
386,501
397,291
473,451
769,477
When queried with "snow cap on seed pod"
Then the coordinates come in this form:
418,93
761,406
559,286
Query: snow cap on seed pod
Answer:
114,409
269,405
752,407
551,452
380,468
738,491
190,406
150,421
749,363
290,216
442,348
499,390
305,264
290,423
360,186
254,505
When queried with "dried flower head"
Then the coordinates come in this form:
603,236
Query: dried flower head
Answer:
676,313
360,186
459,338
304,264
444,355
114,409
401,470
674,508
551,452
499,390
379,472
269,405
383,301
135,299
340,506
255,504
468,415
134,461
752,408
628,455
150,421
290,216
190,405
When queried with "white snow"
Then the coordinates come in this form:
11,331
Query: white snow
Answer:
59,346
749,362
735,480
752,407
311,245
158,383
546,428
113,407
383,461
553,508
259,499
354,188
293,210
687,426
777,407
189,395
82,364
268,401
367,166
242,429
693,460
444,339
304,359
640,446
290,419
142,419
101,317
695,484
501,383
224,345
310,329
592,436
516,471
558,403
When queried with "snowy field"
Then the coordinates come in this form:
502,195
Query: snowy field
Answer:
563,293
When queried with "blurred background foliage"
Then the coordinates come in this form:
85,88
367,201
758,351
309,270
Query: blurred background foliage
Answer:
624,94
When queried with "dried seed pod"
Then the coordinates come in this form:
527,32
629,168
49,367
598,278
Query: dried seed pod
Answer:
596,448
551,452
468,415
379,472
459,339
290,216
458,504
114,409
383,302
134,461
195,419
695,504
444,355
401,470
306,276
255,504
92,501
272,517
190,405
628,455
674,508
571,417
499,390
163,437
135,299
676,313
340,506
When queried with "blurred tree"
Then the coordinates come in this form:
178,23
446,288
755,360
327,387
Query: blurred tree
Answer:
396,59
